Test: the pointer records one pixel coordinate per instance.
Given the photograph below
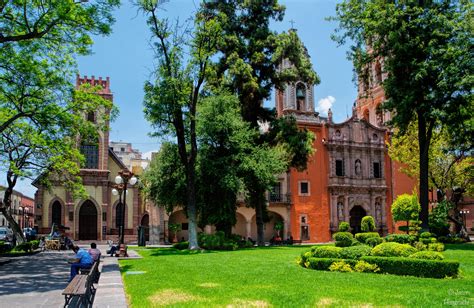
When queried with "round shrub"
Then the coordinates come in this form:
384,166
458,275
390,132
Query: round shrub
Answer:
344,226
355,252
362,237
367,224
343,239
427,255
392,249
326,252
425,235
365,267
374,241
436,247
420,246
181,245
340,266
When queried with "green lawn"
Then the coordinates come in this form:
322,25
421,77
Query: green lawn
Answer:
267,277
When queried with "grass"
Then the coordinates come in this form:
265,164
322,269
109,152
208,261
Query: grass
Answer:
265,277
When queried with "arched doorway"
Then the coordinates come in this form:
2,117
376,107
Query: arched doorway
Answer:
178,218
56,214
356,213
269,227
146,224
240,227
88,221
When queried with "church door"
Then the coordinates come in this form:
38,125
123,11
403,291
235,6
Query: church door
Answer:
357,213
88,221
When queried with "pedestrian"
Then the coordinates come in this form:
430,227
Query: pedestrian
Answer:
94,252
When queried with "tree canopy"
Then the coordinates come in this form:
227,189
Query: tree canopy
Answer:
426,50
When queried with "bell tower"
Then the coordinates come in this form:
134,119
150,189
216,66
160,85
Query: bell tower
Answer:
96,151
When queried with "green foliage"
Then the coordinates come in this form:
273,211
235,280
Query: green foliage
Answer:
25,247
451,239
323,264
406,208
326,252
401,238
216,241
4,247
425,234
438,218
340,266
415,267
34,244
344,226
363,237
355,252
374,241
436,247
365,267
368,224
420,246
392,249
427,255
181,245
343,239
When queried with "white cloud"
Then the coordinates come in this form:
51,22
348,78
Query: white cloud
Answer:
147,155
324,104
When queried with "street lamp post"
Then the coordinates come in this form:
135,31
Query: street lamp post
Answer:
124,178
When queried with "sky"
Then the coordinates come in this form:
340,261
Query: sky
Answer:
127,58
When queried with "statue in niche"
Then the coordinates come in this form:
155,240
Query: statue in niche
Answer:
340,211
358,167
378,212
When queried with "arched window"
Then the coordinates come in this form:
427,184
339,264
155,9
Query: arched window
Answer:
91,155
300,97
118,215
378,73
91,116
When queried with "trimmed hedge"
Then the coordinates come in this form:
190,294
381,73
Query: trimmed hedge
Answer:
374,241
354,252
367,224
415,267
323,264
392,249
181,245
427,255
343,239
363,237
401,238
326,252
344,226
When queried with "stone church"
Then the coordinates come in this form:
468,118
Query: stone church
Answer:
349,176
99,216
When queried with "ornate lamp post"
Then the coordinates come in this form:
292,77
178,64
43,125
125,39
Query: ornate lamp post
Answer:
124,178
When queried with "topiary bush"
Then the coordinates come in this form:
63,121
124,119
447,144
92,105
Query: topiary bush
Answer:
415,267
217,241
25,247
362,237
326,252
181,245
355,252
426,235
367,224
392,249
340,266
344,226
401,238
365,267
343,239
420,246
323,264
427,255
34,244
436,247
374,241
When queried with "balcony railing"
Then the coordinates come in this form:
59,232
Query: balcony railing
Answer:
281,198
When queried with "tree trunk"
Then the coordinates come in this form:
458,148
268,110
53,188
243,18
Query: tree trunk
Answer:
13,225
192,221
424,138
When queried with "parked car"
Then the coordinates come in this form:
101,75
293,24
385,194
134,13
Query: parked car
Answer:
6,234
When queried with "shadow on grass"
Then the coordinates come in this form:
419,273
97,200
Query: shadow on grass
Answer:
465,246
172,251
125,268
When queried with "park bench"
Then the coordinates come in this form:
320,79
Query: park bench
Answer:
86,271
82,287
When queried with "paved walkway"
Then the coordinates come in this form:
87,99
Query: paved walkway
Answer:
38,281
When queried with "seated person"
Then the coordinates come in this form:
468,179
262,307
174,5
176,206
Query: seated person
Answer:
82,260
94,252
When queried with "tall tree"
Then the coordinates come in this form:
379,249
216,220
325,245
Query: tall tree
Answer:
47,151
171,99
426,47
249,55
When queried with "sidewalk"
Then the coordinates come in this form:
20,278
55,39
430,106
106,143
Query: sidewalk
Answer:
38,281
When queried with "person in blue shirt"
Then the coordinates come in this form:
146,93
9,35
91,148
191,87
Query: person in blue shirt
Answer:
82,260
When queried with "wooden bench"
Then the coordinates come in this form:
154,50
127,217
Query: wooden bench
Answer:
94,270
82,286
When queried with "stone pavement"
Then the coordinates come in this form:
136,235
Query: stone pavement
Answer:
38,281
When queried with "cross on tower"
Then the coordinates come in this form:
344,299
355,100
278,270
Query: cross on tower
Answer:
292,22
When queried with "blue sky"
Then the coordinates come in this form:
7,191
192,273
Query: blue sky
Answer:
126,57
